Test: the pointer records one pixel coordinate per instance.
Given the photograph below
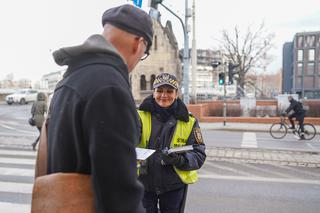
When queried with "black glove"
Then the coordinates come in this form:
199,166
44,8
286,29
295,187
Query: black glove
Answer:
143,170
171,159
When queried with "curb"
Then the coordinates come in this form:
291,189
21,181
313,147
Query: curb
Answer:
246,130
236,129
243,127
304,158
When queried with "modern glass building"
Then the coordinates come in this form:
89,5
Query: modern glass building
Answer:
301,65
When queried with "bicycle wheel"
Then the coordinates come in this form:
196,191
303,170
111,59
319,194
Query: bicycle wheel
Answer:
309,131
278,130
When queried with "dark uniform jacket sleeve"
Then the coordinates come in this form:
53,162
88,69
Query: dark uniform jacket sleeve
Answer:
194,159
111,129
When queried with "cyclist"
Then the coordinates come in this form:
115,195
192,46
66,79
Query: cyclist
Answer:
298,113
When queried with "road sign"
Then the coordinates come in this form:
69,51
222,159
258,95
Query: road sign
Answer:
138,3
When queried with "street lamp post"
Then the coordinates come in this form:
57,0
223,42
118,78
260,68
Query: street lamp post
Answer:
224,65
224,95
186,58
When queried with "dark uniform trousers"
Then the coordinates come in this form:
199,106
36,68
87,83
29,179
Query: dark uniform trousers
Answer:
169,202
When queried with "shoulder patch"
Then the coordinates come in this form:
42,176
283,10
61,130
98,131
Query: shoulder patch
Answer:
198,135
192,115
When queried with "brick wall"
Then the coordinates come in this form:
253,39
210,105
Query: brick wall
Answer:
212,112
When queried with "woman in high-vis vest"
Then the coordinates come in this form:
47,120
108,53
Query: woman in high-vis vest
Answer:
166,123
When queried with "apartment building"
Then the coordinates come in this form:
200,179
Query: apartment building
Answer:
301,65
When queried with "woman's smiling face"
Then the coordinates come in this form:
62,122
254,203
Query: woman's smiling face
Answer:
165,96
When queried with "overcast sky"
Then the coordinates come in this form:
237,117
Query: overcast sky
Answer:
31,30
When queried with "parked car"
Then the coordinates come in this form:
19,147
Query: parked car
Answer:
22,96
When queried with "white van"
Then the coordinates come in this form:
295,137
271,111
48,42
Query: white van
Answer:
22,96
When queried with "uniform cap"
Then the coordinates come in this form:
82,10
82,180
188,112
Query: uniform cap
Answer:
165,79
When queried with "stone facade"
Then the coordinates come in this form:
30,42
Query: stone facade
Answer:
164,57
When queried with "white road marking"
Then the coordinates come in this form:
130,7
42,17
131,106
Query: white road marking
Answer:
16,172
24,189
14,187
260,179
303,172
17,153
11,125
18,161
255,167
25,131
15,207
228,168
249,140
17,134
312,147
7,127
21,118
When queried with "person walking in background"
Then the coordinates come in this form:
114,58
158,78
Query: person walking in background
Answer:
93,124
166,123
38,110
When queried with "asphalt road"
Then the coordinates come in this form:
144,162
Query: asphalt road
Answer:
223,187
14,120
249,196
238,187
263,140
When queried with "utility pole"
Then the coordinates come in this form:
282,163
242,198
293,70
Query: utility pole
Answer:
224,94
194,55
186,57
222,77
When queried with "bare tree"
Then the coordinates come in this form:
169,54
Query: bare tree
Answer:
249,50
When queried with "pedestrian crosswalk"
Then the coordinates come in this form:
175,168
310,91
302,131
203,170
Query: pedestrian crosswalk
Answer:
20,127
16,179
249,140
17,175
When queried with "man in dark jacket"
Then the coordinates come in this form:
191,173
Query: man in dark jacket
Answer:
298,113
93,122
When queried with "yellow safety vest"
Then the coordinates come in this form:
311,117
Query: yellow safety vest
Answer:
180,138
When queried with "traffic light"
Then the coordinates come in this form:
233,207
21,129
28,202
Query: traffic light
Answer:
154,3
215,64
231,67
138,3
221,78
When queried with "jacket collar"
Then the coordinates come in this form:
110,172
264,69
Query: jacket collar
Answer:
94,44
181,113
90,53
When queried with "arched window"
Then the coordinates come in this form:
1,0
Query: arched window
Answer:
152,78
143,83
130,79
155,45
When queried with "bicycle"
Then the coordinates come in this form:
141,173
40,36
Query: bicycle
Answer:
280,130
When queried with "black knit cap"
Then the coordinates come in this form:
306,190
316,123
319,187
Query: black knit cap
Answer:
130,19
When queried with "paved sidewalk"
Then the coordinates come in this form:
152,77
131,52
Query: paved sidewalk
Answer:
264,156
241,127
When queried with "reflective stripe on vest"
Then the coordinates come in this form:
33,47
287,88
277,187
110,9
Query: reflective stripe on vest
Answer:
180,138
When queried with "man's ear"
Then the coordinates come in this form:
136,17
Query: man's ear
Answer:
136,45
